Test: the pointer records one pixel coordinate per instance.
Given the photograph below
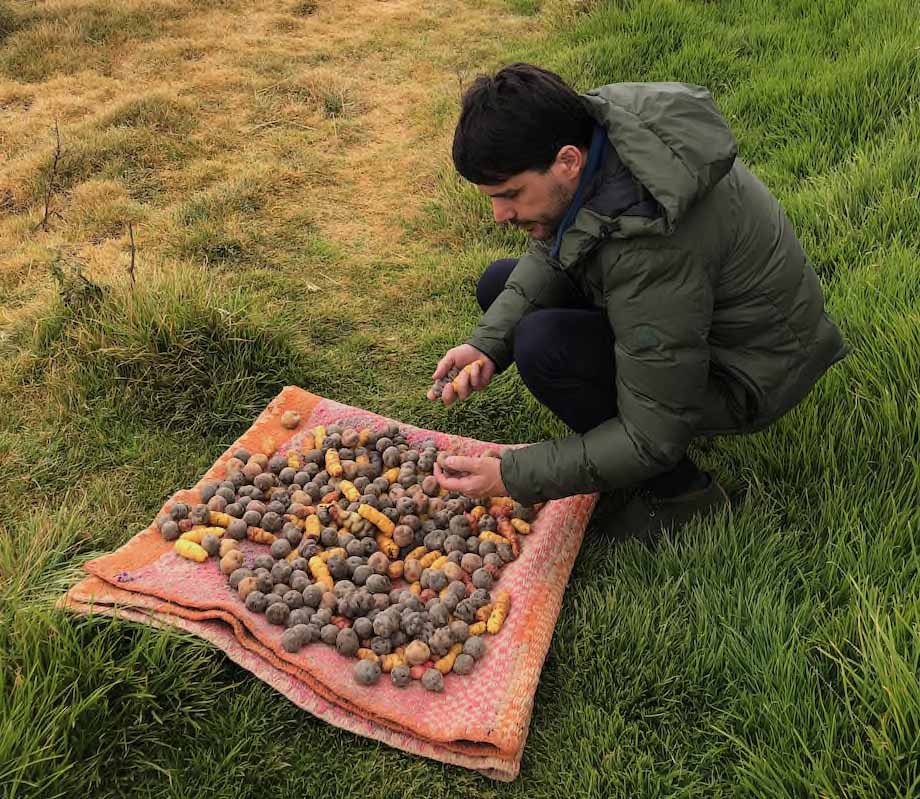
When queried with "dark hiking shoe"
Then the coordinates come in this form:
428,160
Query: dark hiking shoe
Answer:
647,516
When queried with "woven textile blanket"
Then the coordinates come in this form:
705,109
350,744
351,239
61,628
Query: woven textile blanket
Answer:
480,721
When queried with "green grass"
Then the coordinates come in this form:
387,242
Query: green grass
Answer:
772,653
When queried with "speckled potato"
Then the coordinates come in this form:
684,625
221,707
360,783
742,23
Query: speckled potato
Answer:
346,642
313,595
437,580
378,584
169,530
210,544
228,545
231,562
474,646
417,653
433,680
256,602
329,634
281,571
293,638
238,575
366,672
363,627
482,579
412,570
277,613
401,675
280,548
246,586
236,530
459,631
464,664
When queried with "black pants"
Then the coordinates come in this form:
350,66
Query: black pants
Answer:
565,358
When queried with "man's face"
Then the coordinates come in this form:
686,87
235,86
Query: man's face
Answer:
537,201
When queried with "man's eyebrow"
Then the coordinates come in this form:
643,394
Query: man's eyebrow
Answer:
505,193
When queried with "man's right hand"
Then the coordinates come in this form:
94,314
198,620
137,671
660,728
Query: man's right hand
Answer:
476,378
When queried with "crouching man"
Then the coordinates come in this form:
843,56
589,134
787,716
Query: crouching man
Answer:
664,295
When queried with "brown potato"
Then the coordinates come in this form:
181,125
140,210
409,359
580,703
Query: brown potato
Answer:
290,419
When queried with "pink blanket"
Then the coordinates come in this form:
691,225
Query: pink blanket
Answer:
479,721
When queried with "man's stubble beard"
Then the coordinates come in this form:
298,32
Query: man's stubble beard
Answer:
561,198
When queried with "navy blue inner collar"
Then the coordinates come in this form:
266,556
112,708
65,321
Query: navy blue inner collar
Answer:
597,154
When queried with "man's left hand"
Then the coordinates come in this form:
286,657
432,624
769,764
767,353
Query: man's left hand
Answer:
478,477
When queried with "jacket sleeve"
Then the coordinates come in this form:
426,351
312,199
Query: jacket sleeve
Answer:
534,283
660,307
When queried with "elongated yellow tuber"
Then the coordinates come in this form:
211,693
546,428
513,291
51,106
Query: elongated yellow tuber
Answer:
455,383
319,436
387,546
507,532
296,521
367,654
332,552
348,489
312,527
320,572
499,612
376,518
390,662
446,663
260,536
190,550
198,533
333,463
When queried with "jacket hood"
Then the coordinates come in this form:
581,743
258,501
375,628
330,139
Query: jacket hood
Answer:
670,136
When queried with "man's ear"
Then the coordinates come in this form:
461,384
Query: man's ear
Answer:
569,162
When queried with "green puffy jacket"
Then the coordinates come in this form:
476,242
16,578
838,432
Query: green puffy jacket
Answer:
717,315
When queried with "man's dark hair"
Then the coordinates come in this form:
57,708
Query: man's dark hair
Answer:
517,120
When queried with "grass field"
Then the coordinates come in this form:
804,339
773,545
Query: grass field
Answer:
284,168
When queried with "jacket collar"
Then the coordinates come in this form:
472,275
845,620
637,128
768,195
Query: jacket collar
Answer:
596,156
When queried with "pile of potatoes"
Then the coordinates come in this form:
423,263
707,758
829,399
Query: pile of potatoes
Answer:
365,551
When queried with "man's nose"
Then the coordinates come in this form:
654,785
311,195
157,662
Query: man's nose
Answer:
502,210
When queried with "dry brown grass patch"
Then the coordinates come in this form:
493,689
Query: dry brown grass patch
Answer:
330,110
